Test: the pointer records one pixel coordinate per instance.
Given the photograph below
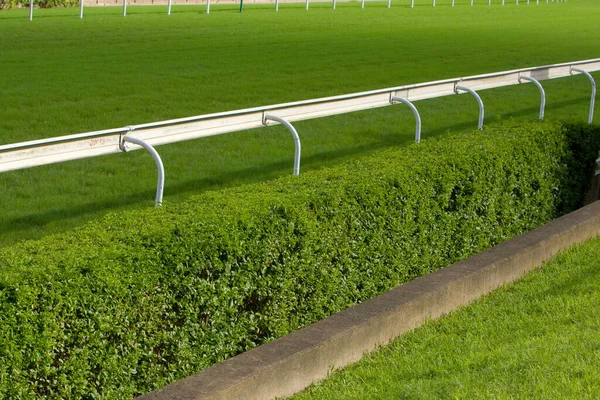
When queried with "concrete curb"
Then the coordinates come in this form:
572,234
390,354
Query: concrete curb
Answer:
291,363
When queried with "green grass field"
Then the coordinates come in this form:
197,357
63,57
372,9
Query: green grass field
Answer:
62,75
537,339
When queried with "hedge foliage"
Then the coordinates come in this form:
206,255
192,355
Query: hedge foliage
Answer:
38,3
138,300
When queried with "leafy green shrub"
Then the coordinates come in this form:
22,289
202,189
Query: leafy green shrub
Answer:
4,4
138,300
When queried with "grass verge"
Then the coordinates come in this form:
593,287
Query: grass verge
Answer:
537,338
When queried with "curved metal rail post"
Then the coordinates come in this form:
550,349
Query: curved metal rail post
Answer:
208,6
389,3
593,99
334,4
362,4
276,5
31,10
124,8
542,93
415,112
290,127
169,8
80,9
479,101
159,164
307,5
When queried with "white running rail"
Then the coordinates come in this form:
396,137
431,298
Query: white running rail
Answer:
72,147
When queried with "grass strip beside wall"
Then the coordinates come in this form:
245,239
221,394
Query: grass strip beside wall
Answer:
137,300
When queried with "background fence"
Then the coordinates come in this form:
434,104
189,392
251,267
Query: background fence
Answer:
169,3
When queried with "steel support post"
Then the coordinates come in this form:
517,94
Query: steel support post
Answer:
415,112
290,127
159,164
458,88
542,93
593,99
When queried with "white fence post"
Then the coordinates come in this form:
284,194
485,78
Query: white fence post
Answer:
415,112
593,99
542,93
160,186
458,88
290,127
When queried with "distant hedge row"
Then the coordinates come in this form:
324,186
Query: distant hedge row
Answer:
138,300
38,3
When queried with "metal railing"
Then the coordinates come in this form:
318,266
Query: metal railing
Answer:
65,148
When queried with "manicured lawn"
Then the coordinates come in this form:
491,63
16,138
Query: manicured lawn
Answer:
62,75
535,339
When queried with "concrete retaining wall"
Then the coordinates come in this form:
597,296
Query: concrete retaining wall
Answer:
291,363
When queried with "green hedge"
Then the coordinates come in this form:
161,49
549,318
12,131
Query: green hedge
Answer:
137,300
38,3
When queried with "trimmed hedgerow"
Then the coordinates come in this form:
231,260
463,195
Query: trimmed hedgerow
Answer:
138,300
38,3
